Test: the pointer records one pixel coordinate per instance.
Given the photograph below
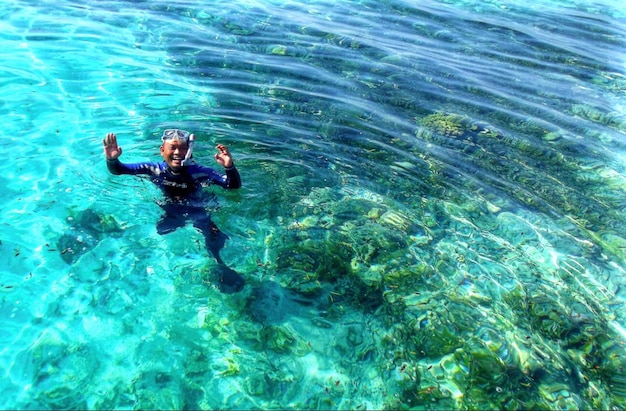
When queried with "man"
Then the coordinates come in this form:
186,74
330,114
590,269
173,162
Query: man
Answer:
181,181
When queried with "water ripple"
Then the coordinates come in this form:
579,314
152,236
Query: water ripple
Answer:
442,186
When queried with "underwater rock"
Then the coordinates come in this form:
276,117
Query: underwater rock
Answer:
157,389
355,291
495,341
256,385
279,50
404,381
196,363
73,245
613,118
613,367
435,338
285,381
95,222
484,368
447,124
371,276
113,300
240,24
396,220
552,136
557,396
59,363
355,344
277,338
268,304
373,242
373,214
283,339
88,227
322,259
349,209
306,286
403,278
549,317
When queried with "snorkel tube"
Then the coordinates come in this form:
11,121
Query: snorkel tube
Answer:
188,160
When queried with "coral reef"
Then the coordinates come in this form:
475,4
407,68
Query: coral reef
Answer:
87,228
446,124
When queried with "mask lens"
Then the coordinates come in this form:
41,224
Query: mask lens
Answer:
175,134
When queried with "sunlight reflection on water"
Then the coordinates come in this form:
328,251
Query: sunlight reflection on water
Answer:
433,205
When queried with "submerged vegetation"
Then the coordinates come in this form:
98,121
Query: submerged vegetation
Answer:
414,232
445,124
457,319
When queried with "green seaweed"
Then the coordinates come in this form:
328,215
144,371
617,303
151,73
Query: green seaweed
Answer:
282,339
318,259
446,124
612,119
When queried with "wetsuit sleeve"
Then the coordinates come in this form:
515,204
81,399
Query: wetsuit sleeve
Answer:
231,180
117,167
233,177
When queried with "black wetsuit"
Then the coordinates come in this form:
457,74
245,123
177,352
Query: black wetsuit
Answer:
178,185
183,203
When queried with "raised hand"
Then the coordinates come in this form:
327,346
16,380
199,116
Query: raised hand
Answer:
223,156
111,149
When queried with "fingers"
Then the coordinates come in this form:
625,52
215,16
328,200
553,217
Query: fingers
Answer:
111,149
223,156
110,140
222,149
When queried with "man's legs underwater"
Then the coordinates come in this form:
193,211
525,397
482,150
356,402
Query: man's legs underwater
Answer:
173,218
177,215
229,280
214,239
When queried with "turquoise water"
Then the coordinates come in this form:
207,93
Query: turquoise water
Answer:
433,213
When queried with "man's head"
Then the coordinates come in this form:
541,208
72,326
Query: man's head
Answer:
175,147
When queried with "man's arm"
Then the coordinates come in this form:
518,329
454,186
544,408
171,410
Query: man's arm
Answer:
116,167
112,152
233,178
223,157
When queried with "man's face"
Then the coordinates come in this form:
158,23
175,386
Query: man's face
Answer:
174,152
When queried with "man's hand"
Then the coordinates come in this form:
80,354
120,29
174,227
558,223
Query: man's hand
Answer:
111,149
223,156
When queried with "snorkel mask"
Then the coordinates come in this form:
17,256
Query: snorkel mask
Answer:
182,135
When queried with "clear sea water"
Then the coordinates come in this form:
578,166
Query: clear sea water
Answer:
433,213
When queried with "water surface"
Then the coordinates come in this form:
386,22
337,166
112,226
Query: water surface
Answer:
433,210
